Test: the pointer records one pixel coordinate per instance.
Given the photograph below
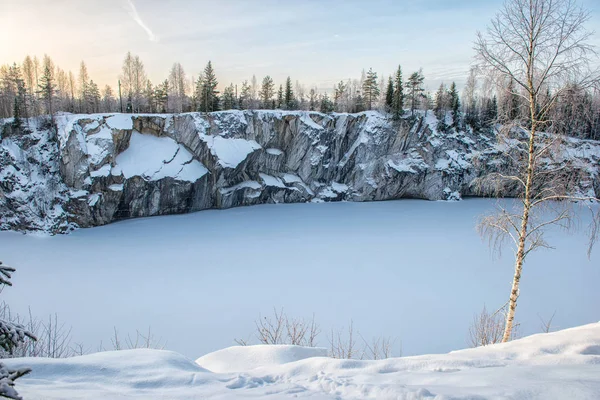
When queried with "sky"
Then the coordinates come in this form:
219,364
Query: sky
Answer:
317,42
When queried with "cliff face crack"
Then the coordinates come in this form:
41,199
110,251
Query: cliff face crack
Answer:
103,168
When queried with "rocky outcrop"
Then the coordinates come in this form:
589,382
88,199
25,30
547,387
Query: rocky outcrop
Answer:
104,168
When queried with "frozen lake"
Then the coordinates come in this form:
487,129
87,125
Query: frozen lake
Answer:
410,269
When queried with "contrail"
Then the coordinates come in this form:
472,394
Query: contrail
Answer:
136,17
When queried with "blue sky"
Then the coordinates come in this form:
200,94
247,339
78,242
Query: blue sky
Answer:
315,42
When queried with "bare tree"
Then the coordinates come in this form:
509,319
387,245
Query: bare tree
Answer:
343,345
540,45
546,325
486,328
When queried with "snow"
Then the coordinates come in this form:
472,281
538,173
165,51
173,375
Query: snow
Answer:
244,185
558,365
231,151
272,181
155,158
93,199
120,121
245,358
102,171
201,279
116,187
274,152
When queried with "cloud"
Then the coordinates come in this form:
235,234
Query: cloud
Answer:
136,17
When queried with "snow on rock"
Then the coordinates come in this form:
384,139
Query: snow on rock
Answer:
187,162
155,158
120,121
559,365
245,358
231,152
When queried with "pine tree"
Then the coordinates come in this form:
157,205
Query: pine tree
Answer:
289,95
266,92
398,102
209,95
370,88
389,95
415,89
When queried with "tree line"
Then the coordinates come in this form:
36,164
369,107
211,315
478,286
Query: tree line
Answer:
37,87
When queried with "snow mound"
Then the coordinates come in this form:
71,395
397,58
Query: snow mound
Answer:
559,365
245,358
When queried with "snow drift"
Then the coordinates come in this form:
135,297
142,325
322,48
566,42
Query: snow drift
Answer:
103,168
559,365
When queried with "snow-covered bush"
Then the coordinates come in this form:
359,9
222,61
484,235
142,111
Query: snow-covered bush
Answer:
11,336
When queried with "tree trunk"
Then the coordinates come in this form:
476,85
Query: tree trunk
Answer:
520,256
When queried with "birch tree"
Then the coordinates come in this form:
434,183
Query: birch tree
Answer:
542,46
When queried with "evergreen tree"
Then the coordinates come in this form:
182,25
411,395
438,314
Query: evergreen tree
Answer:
93,97
289,95
415,89
389,95
455,105
338,95
245,96
266,92
11,336
370,88
441,103
440,107
326,105
280,97
398,101
149,94
161,96
47,89
209,95
229,101
313,99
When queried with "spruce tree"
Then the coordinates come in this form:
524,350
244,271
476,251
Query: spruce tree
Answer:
455,105
326,105
11,336
280,97
370,88
229,102
398,102
266,92
245,96
389,95
209,95
312,99
47,90
338,94
289,95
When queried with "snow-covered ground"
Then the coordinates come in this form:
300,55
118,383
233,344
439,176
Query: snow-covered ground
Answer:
560,365
412,270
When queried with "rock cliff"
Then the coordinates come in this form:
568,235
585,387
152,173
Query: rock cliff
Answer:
101,168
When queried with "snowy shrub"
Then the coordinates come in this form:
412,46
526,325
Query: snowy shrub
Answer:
11,336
